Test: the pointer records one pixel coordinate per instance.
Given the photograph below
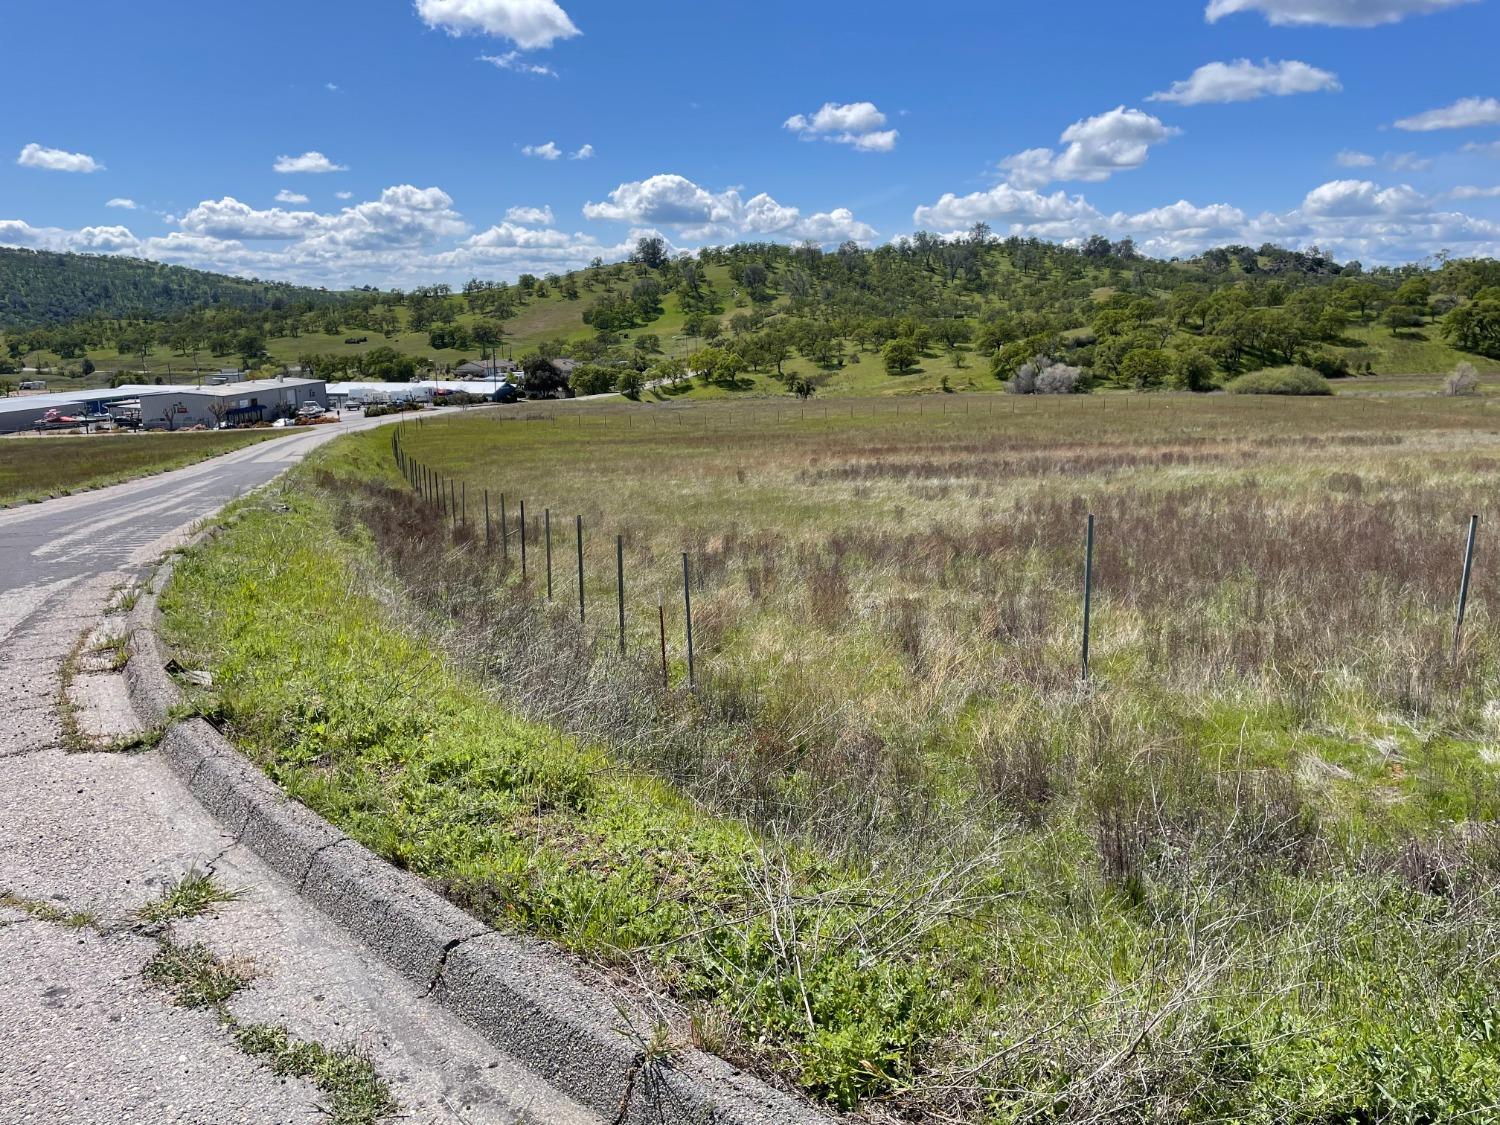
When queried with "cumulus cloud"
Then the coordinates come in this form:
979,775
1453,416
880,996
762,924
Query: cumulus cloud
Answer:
1330,13
1465,113
1097,148
529,24
857,124
343,195
286,196
1243,81
1351,218
514,60
1349,158
548,151
530,216
123,204
403,216
1469,191
89,240
1004,204
584,153
1361,197
313,163
57,160
698,214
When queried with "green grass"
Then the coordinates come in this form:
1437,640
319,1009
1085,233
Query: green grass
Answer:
356,1093
891,851
38,468
192,896
194,977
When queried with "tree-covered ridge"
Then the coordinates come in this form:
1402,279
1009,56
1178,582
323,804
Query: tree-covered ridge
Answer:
39,287
974,307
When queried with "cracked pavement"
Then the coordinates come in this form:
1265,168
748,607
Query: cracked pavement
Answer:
82,1037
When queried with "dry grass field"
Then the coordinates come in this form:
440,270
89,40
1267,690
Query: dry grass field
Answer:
893,849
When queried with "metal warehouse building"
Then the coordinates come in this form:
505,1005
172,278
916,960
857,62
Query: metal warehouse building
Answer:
235,404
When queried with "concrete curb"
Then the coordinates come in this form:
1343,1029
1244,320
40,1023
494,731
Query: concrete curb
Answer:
526,1000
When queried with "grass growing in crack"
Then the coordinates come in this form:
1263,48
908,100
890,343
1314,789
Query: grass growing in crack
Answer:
356,1093
117,649
47,912
193,895
126,598
194,976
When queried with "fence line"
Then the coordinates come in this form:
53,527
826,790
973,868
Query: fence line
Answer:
429,485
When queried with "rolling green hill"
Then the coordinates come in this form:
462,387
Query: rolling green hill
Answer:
767,318
38,287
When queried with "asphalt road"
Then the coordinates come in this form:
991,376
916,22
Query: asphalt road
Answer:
58,543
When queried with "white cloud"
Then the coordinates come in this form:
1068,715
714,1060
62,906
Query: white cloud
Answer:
343,195
56,160
1395,161
314,163
123,204
530,216
1330,13
1465,113
1097,148
514,60
584,153
701,215
857,124
89,240
1471,192
529,24
1350,218
1243,81
1407,162
1344,198
1487,148
403,216
548,151
1004,204
331,87
285,196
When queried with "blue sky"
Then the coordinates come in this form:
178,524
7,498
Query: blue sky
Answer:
395,143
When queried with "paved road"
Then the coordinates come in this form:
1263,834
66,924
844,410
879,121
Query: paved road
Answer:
83,1038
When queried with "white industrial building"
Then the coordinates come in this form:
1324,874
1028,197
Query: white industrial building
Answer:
173,406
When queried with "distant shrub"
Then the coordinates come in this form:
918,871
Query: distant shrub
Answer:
1281,381
1463,381
1330,366
1043,376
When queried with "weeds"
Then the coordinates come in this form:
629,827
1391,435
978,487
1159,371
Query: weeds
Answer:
48,912
356,1093
196,893
194,977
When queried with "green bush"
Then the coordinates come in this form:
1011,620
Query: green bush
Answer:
1281,381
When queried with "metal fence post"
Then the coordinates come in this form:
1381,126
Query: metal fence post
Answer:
1088,593
687,601
547,532
620,585
661,618
487,518
578,539
523,541
1463,588
504,530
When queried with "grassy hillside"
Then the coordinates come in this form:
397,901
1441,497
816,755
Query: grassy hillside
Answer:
970,312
